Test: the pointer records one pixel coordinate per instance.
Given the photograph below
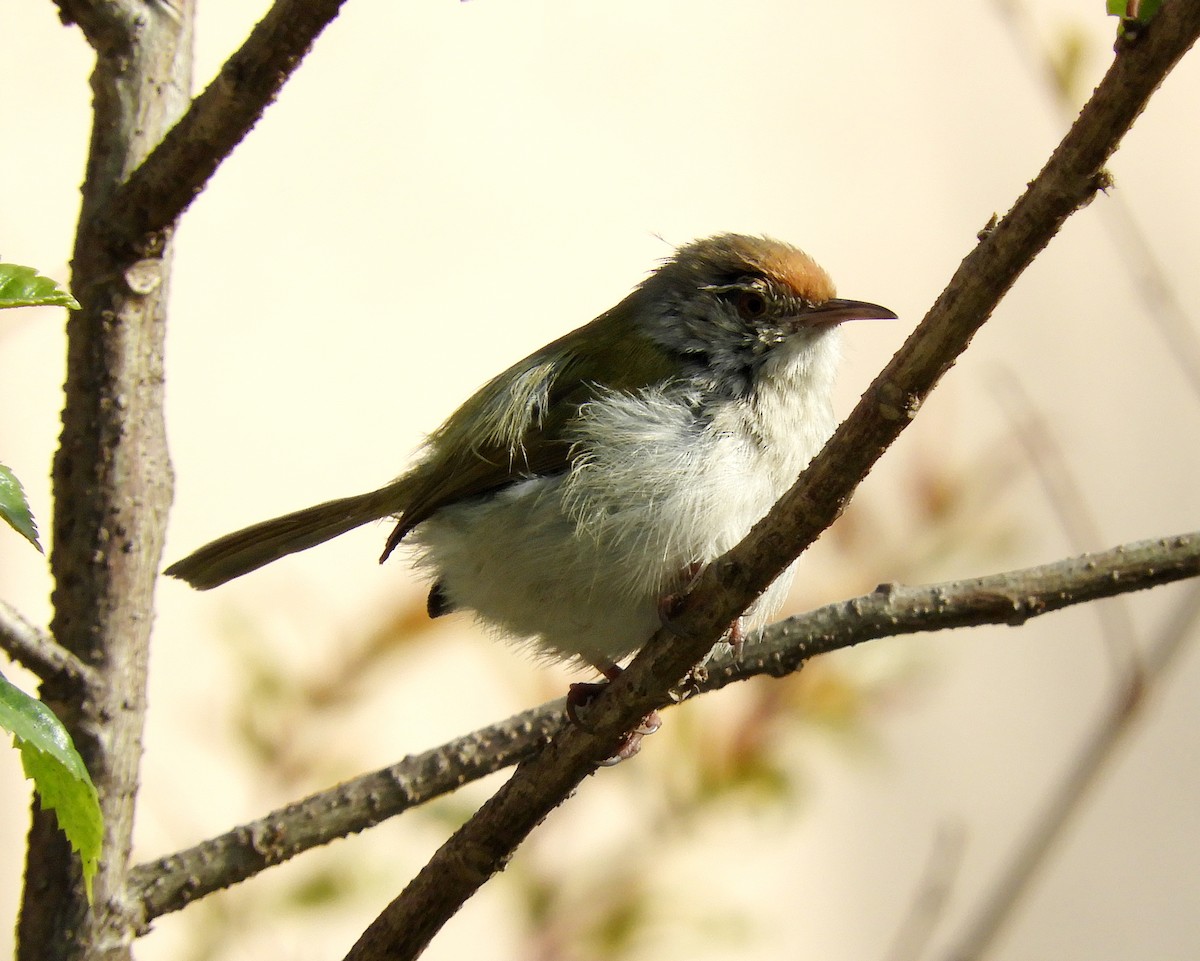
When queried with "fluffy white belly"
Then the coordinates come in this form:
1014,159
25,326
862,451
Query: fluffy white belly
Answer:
578,563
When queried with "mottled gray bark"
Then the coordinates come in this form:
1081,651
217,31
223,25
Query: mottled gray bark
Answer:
112,479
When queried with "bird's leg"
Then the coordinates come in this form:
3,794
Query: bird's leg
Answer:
580,695
737,637
669,604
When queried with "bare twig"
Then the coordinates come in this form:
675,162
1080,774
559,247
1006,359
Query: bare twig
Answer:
169,179
37,650
1011,598
1151,282
933,893
172,882
1070,179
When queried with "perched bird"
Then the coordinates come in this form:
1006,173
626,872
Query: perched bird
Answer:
575,491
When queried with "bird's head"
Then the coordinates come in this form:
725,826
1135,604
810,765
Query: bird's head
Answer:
732,305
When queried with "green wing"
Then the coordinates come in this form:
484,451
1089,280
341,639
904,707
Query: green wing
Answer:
518,425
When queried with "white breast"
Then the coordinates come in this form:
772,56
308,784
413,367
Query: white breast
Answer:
580,562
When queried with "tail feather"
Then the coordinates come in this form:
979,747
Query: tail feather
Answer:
252,547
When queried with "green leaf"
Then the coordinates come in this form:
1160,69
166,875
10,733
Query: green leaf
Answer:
1135,11
25,287
57,771
15,509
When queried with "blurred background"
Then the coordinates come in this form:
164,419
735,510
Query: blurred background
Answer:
446,186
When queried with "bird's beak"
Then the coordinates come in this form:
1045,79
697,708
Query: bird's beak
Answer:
836,311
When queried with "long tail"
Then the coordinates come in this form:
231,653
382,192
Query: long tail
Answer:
250,548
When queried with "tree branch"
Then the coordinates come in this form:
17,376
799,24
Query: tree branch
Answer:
1011,598
112,483
1069,180
1148,277
172,882
163,186
37,650
112,473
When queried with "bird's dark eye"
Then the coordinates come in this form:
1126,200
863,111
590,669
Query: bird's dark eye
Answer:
750,303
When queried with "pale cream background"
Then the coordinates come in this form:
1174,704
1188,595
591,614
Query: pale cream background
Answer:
445,186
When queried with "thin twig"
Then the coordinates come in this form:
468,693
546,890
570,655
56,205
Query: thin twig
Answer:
37,650
933,893
1151,282
1011,598
163,186
170,883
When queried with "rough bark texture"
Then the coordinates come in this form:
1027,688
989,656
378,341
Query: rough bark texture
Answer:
112,479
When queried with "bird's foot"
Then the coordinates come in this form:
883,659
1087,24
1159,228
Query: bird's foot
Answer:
581,694
736,636
631,743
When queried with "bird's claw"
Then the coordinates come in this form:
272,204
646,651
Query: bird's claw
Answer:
581,694
632,742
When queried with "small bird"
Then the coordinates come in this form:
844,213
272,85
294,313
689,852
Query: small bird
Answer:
577,491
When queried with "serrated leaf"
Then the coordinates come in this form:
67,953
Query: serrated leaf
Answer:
25,287
14,508
58,773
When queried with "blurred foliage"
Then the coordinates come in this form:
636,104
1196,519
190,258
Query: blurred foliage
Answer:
1067,60
1062,53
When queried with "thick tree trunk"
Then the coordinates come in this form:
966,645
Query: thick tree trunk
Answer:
112,476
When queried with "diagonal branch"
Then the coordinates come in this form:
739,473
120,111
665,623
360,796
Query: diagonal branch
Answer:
174,881
1069,180
38,651
163,186
1163,305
